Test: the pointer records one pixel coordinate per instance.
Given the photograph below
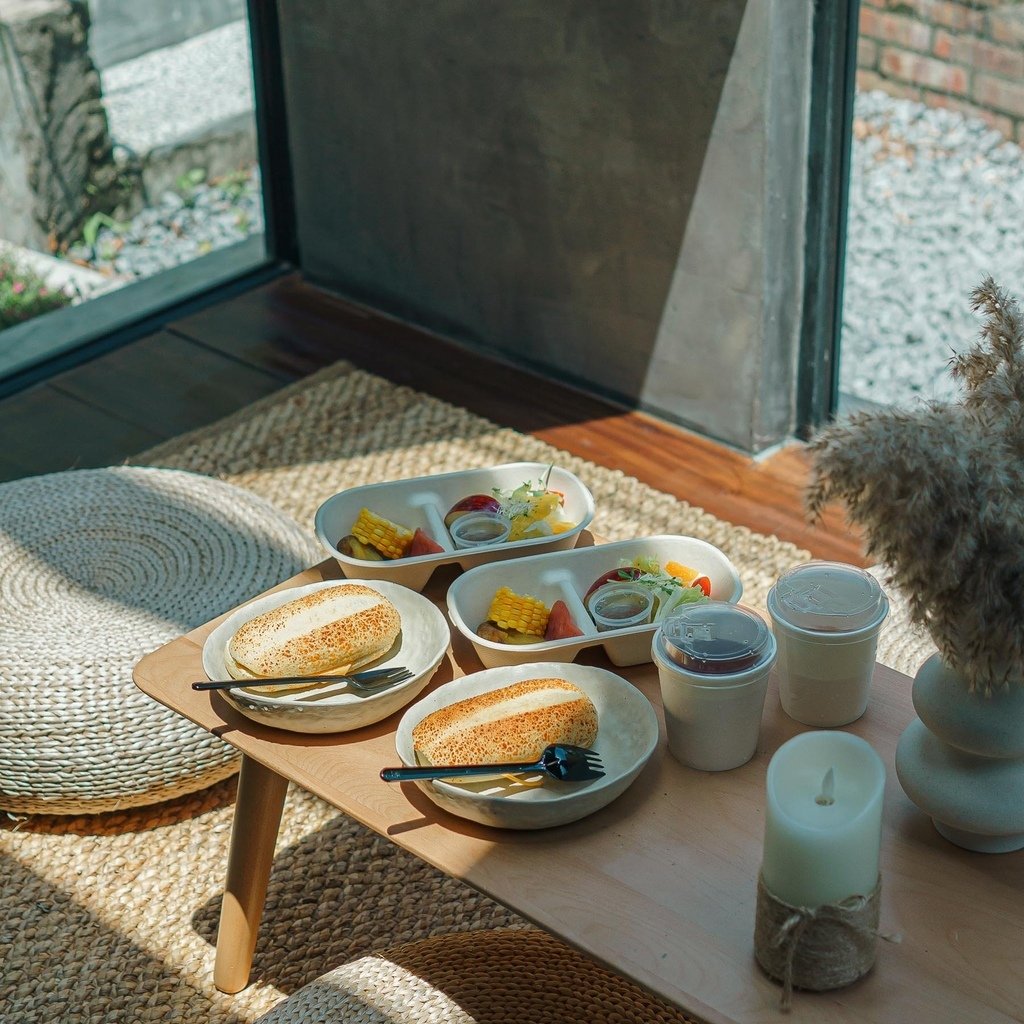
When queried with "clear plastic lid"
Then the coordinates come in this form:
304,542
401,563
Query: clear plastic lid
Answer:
715,637
620,605
829,597
474,529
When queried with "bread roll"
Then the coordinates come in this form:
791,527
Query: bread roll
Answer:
333,631
514,723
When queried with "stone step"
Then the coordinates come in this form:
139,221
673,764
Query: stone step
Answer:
123,29
182,107
60,275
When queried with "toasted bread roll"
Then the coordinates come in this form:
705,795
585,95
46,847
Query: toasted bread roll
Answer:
334,631
514,723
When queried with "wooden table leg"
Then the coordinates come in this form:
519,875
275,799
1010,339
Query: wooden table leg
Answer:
258,807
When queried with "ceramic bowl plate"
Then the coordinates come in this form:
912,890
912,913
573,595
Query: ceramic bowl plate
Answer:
424,501
566,576
420,647
627,734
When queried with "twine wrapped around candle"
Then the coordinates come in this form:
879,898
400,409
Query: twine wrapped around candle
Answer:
816,948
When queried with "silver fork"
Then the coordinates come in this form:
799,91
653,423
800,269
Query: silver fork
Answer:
561,761
363,682
366,688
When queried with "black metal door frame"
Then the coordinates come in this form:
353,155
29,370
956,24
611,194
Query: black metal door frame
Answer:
272,132
833,78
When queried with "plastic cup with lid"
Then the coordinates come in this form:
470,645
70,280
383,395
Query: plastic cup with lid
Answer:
713,660
826,617
475,529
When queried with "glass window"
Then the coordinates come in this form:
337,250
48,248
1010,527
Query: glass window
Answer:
129,175
936,190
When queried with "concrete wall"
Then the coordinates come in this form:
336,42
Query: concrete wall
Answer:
608,189
123,29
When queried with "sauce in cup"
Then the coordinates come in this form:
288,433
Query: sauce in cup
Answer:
620,605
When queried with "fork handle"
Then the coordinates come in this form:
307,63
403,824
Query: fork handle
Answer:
448,771
369,677
232,684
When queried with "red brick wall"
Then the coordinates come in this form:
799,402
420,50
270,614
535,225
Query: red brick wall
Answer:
966,55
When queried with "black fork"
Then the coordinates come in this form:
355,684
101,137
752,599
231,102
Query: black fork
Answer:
561,761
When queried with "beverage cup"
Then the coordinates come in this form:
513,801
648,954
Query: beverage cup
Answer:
826,617
713,662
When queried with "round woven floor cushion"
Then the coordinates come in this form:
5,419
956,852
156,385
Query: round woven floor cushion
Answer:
505,976
97,568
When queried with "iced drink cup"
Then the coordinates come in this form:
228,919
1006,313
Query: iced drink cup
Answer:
826,617
713,663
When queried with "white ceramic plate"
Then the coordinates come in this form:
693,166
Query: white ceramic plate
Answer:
420,647
424,501
566,576
627,734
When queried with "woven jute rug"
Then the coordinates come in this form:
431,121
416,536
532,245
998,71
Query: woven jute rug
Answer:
112,918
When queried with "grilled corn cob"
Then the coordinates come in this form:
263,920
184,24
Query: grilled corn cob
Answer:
520,612
390,539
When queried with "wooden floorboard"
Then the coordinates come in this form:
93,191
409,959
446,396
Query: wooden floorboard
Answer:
207,364
167,384
273,324
47,431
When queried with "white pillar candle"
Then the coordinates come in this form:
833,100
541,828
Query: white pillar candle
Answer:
823,819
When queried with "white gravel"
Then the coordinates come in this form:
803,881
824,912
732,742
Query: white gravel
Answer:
179,227
936,203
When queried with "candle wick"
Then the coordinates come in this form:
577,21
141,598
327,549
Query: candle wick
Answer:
828,788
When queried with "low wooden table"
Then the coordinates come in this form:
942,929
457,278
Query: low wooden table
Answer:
661,884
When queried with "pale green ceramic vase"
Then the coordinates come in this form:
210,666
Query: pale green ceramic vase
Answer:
962,760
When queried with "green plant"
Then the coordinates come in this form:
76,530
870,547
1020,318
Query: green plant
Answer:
91,228
189,182
24,294
234,184
939,493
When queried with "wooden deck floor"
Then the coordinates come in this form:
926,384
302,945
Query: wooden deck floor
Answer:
211,363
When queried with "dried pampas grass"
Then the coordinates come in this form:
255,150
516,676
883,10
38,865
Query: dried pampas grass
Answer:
939,494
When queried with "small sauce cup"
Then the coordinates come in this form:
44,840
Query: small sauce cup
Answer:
477,529
621,605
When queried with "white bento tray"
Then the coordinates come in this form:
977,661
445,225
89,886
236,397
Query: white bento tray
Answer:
566,576
425,500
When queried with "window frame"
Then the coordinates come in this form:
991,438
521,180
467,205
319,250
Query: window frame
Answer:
830,143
